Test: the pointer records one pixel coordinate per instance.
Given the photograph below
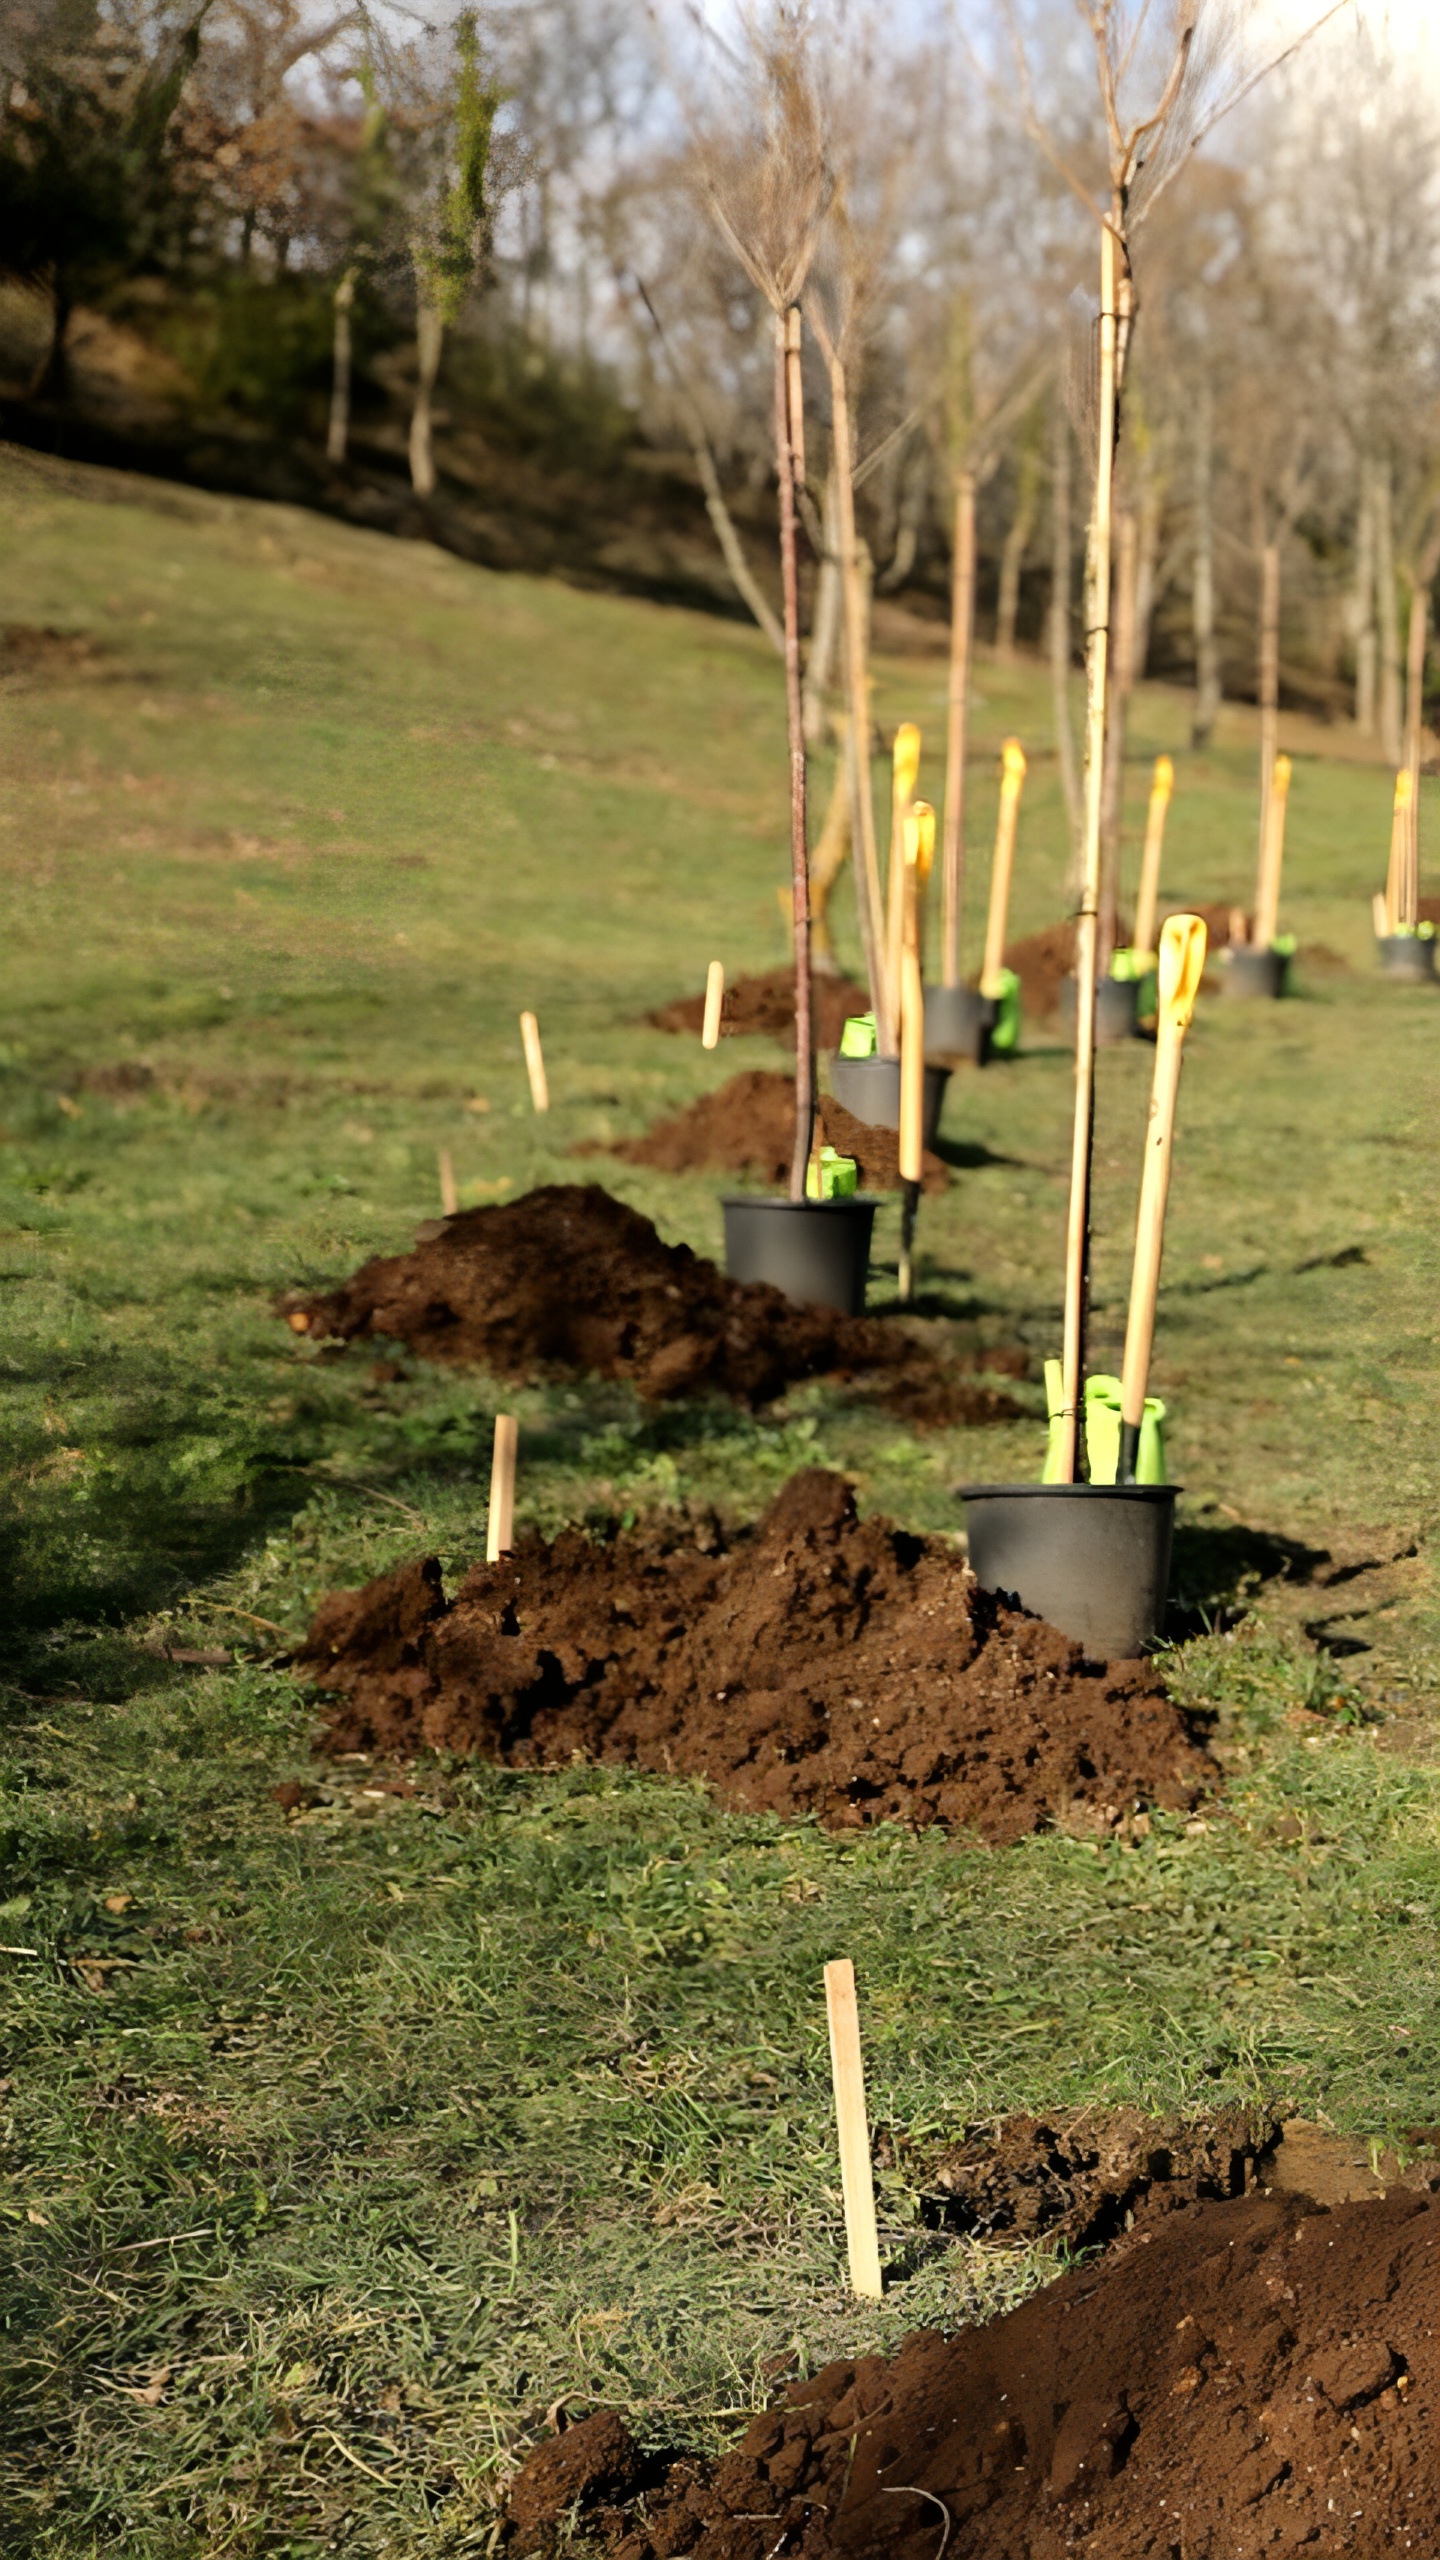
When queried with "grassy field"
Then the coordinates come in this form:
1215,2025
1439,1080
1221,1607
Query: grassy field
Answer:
337,2148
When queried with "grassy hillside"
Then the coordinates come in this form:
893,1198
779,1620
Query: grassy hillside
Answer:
338,2146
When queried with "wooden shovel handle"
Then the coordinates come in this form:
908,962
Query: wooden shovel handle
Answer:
1003,866
1182,959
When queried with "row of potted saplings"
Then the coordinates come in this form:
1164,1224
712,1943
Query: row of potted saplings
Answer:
1097,1569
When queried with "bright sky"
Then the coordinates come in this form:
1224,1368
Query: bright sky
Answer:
1413,26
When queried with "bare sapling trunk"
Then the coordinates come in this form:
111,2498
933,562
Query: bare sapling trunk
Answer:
1269,681
429,340
904,774
1012,557
1207,652
338,438
826,863
1417,650
962,633
1060,625
1362,608
825,620
857,687
1391,742
1122,658
789,448
1077,1233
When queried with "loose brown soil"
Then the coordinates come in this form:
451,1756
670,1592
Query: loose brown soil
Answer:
815,1664
748,1126
568,1279
1239,2379
766,1005
1043,961
1083,2175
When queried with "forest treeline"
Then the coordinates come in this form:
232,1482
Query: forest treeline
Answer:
467,275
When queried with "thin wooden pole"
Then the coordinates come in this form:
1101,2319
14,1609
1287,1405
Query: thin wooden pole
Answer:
1122,657
1002,867
1416,652
1147,904
857,2182
714,1004
1272,856
962,640
918,853
535,1062
1269,682
904,774
865,848
1077,1233
1399,854
449,1197
789,454
1181,961
500,1526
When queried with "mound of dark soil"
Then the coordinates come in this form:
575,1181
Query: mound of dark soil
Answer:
815,1664
1043,961
1242,2379
1084,2175
569,1279
766,1005
748,1126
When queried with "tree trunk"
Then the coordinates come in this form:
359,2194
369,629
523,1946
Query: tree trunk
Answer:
1362,607
1012,559
787,436
1060,637
826,863
338,439
429,339
962,630
1269,683
1207,653
1391,743
52,379
825,623
1147,564
1114,315
1122,654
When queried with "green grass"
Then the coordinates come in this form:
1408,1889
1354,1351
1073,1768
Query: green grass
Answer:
376,2131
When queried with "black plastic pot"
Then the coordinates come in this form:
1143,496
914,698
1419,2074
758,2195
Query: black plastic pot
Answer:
817,1251
958,1023
1410,956
870,1087
1092,1558
1249,972
1117,1010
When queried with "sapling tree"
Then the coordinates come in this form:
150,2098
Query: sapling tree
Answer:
450,219
767,183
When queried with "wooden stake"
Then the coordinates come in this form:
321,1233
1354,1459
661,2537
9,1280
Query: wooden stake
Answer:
1012,783
919,853
449,1197
852,592
1395,882
1161,791
1417,650
857,2182
500,1527
1267,887
1380,915
714,1002
962,635
534,1062
1077,1232
1269,690
904,774
1182,959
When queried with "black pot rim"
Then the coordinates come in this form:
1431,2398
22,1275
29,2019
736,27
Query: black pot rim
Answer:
773,1200
1072,1492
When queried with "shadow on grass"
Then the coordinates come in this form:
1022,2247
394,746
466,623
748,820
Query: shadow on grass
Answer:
1215,1572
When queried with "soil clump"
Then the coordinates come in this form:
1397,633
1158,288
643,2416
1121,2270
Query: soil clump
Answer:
568,1279
765,1005
748,1126
1083,2175
1043,961
815,1664
1243,2378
